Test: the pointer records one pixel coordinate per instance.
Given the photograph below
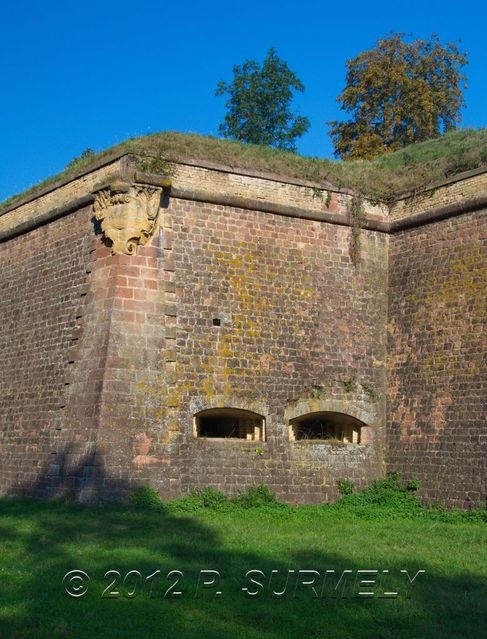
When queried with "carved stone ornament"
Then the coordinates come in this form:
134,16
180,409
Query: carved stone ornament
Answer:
128,214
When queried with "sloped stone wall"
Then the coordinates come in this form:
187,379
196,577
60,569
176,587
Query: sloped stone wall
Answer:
106,359
437,372
43,286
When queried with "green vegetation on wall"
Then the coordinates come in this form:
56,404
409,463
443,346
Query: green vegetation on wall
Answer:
409,169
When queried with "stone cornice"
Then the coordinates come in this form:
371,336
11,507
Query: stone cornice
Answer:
127,202
277,209
35,194
46,217
439,213
453,179
126,160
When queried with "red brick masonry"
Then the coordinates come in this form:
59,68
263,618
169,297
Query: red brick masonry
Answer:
106,359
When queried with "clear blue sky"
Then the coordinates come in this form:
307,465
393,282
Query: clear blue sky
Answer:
91,74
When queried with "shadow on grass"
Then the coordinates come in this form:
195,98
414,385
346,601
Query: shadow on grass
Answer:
41,541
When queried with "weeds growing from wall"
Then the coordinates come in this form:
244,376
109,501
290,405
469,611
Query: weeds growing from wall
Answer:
356,213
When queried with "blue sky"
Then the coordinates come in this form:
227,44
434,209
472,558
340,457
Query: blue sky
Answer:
91,74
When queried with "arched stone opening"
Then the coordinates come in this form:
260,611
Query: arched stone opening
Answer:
327,426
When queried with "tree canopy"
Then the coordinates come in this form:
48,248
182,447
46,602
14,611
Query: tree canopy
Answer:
258,109
399,93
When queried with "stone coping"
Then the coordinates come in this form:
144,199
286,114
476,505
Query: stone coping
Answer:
247,190
111,157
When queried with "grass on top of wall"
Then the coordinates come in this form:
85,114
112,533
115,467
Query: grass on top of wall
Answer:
409,169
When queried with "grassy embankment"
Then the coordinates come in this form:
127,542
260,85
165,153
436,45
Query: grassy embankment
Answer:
409,169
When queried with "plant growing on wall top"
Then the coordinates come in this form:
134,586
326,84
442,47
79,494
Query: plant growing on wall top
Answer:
258,109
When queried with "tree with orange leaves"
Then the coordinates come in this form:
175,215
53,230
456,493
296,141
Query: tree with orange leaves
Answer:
399,93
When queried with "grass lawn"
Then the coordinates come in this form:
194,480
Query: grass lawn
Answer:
40,542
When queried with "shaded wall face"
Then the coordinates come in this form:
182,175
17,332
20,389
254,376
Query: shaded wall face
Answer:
437,376
43,274
301,329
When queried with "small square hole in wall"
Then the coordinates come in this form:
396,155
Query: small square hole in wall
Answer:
217,321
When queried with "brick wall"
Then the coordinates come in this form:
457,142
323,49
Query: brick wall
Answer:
457,188
298,321
78,326
43,277
437,373
57,194
284,191
113,355
107,359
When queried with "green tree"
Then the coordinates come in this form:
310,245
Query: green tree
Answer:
258,106
399,93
